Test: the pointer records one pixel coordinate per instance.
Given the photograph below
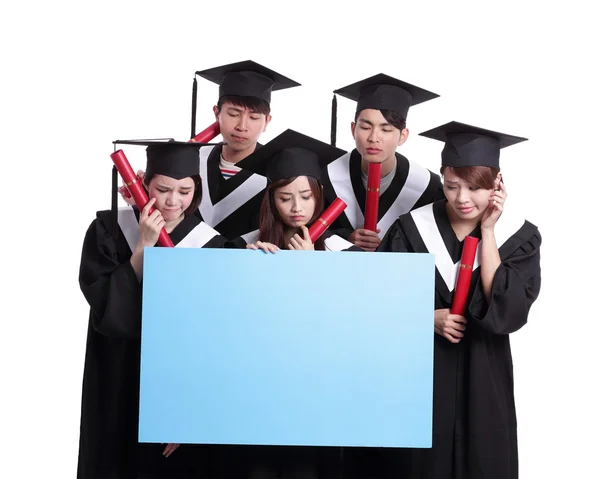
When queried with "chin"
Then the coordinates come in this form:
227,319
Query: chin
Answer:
378,158
296,224
172,216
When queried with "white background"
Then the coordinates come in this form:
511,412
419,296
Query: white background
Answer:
75,77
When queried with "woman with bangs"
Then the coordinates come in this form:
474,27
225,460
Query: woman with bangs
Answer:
111,278
293,201
288,206
474,417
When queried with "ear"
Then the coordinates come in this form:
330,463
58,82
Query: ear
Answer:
352,128
403,136
267,121
216,112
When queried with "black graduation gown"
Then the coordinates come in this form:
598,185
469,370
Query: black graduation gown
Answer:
474,419
108,447
412,186
231,206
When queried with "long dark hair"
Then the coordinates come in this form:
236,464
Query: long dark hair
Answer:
197,192
272,227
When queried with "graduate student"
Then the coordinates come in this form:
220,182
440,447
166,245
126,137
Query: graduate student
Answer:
379,128
474,419
293,201
111,279
232,195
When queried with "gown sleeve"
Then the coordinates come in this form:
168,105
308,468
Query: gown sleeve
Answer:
515,287
110,287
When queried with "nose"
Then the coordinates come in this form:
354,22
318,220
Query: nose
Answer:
296,206
463,195
373,136
242,124
171,200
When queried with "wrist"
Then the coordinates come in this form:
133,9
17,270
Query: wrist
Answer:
487,229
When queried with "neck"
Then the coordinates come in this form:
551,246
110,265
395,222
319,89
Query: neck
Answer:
233,156
171,225
386,166
461,227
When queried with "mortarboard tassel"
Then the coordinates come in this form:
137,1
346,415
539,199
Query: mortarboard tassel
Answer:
333,120
194,96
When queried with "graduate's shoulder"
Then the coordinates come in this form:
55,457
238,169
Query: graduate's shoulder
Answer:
404,162
529,231
107,220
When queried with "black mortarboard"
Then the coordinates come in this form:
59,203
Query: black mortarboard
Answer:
289,155
246,78
175,159
467,145
381,92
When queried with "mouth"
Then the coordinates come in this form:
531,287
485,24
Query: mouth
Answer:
238,138
465,210
297,218
373,151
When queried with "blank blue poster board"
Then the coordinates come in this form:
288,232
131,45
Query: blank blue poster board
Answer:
293,348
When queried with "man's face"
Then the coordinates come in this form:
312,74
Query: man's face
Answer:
376,140
239,126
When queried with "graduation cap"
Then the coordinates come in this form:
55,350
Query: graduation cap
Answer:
175,159
380,92
246,78
467,145
289,155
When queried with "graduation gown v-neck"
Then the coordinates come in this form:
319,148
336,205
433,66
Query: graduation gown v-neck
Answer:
108,447
474,418
231,206
412,186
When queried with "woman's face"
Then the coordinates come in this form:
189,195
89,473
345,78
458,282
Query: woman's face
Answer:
295,202
467,200
173,196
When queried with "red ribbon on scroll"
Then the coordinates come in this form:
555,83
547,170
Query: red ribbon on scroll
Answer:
325,220
372,199
134,187
463,282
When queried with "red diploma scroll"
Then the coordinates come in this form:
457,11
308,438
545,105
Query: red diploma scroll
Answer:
465,271
135,188
325,220
372,200
207,134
